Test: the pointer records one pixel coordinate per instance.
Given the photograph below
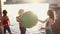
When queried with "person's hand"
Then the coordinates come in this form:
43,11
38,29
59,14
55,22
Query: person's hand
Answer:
42,28
10,24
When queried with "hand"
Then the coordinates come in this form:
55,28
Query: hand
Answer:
42,28
11,25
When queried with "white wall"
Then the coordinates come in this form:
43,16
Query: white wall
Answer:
30,1
58,3
55,2
52,1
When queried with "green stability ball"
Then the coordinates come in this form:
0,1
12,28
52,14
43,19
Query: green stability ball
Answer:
29,19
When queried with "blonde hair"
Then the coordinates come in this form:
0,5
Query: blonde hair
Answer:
21,11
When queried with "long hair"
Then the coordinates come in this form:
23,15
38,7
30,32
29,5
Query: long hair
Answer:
4,12
51,14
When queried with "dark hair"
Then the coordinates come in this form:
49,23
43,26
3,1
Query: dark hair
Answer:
4,12
51,14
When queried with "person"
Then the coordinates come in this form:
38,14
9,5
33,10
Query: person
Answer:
50,21
6,22
18,18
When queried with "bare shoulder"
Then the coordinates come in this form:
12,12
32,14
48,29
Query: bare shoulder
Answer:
6,16
17,17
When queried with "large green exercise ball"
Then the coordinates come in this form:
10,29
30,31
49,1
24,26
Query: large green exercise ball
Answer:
29,19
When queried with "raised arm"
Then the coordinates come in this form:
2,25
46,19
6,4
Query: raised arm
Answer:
49,24
43,21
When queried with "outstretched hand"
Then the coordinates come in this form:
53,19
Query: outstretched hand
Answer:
42,28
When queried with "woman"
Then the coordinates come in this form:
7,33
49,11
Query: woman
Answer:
6,22
50,21
18,18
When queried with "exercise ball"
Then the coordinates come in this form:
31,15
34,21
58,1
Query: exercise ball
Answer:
29,19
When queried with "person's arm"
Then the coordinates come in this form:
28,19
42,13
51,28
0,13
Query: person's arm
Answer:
8,21
17,19
49,25
43,21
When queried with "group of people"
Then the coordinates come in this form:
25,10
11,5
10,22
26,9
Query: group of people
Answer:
49,22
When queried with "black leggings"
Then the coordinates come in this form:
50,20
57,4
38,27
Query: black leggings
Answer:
23,30
8,29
